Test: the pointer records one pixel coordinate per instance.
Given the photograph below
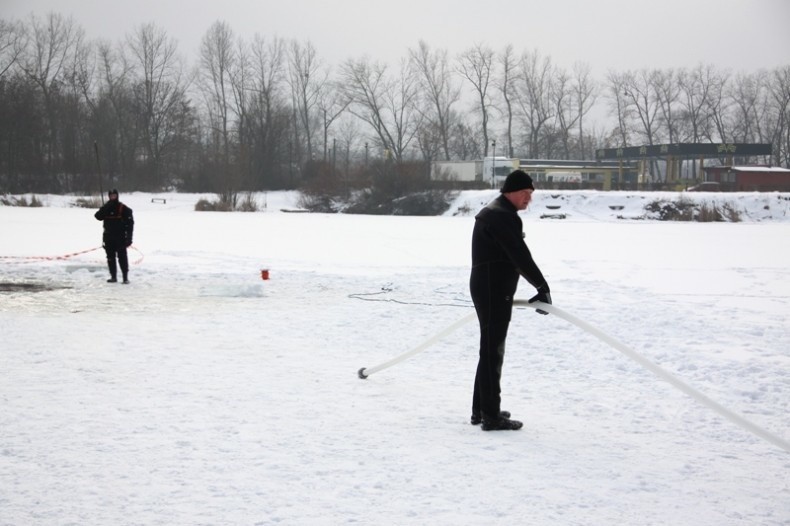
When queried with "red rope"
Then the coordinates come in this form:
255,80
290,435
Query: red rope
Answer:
141,255
67,256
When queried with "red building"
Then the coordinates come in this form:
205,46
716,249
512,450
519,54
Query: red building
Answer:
749,178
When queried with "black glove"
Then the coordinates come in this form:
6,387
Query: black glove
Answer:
544,296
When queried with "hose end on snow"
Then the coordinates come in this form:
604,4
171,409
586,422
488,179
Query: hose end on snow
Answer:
361,374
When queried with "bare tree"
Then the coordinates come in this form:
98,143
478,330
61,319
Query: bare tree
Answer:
349,135
535,97
44,61
160,98
467,141
747,93
386,103
241,74
779,87
331,103
476,65
217,61
439,92
667,90
83,74
507,89
565,111
694,86
268,126
693,92
51,46
120,140
585,93
717,106
268,65
640,93
307,79
12,44
79,110
619,105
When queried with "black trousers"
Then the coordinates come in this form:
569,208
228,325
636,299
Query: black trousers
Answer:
493,300
117,249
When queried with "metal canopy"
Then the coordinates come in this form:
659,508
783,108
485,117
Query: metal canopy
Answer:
684,150
549,165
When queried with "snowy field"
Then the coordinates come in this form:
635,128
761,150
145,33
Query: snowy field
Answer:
202,394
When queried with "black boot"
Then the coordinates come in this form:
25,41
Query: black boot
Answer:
501,424
113,268
476,418
125,279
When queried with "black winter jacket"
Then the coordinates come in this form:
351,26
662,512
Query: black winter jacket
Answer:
118,222
499,250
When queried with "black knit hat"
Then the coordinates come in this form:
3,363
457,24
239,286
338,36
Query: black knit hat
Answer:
111,192
517,180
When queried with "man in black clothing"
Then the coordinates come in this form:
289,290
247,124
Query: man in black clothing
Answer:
499,257
118,229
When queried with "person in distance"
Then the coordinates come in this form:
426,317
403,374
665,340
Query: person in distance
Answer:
117,236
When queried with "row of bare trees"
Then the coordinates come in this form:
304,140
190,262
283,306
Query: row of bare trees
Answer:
702,104
268,112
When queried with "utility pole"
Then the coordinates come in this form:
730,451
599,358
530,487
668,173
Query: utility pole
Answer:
493,164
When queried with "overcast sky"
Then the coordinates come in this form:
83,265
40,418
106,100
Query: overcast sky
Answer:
744,35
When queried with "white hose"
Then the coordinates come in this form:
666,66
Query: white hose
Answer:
367,371
658,371
638,358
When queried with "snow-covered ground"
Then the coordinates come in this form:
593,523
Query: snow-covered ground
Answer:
202,394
